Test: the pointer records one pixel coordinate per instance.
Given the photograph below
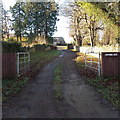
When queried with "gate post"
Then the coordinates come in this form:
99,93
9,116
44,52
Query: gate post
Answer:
17,63
110,64
8,65
99,67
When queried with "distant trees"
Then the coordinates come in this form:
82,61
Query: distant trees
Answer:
33,19
5,22
18,15
78,25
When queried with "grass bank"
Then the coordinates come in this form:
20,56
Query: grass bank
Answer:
38,60
13,86
108,87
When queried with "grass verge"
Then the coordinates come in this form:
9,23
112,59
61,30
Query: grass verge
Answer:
57,82
108,87
38,60
57,75
11,87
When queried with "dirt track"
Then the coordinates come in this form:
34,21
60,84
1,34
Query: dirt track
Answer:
37,99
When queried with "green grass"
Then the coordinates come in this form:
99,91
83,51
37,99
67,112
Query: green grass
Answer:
11,87
109,91
43,55
39,59
58,74
58,94
58,82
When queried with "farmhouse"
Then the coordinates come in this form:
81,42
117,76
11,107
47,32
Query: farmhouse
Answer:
58,40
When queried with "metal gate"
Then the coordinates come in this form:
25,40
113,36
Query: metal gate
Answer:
91,63
23,62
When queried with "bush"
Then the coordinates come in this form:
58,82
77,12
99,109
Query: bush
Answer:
62,44
50,39
11,39
39,47
26,49
70,46
53,47
11,47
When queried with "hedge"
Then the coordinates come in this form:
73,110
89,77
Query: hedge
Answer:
17,47
11,47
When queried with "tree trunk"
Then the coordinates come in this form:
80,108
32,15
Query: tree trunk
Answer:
46,32
19,25
17,38
92,33
20,37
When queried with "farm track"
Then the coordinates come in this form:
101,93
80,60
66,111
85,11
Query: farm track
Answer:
37,99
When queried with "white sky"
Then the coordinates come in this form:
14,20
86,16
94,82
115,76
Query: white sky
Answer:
63,28
8,3
62,24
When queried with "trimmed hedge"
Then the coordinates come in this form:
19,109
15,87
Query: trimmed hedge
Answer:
40,47
11,47
62,44
17,47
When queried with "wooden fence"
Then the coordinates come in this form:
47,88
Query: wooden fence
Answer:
8,65
111,64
